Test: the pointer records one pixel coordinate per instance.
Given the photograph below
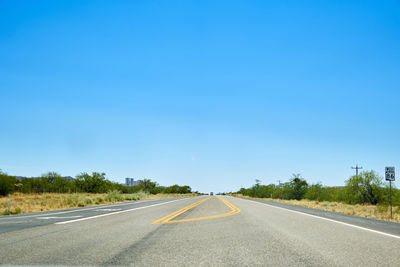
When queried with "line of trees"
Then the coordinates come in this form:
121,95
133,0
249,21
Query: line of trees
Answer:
366,188
96,182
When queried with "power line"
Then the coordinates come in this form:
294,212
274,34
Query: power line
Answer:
357,168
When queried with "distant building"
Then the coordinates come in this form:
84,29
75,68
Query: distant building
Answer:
130,182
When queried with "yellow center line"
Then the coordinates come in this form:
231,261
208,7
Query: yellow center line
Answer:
178,212
169,218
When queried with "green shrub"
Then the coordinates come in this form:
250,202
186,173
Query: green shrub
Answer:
140,195
382,208
6,212
364,188
298,187
99,200
114,196
396,211
88,200
16,211
135,196
73,200
325,203
6,184
316,192
10,212
129,197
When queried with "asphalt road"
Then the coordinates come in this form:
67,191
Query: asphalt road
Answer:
18,222
217,231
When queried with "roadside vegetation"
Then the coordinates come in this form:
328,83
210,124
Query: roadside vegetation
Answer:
52,191
26,203
364,195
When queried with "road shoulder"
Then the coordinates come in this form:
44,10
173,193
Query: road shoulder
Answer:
392,228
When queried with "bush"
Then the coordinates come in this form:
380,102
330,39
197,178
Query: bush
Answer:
95,183
396,211
52,182
139,195
297,187
364,188
382,208
114,196
7,184
88,200
6,212
135,196
16,211
176,189
99,200
316,192
72,200
367,188
10,212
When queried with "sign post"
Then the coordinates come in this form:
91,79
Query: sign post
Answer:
390,176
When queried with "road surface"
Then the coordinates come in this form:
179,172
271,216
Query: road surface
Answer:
200,231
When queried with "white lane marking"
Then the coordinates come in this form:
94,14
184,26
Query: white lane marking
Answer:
55,217
108,209
78,209
326,219
118,212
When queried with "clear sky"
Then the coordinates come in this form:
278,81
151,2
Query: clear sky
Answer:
213,94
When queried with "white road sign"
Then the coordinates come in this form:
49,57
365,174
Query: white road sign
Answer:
389,174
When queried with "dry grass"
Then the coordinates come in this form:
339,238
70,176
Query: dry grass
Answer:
26,203
369,211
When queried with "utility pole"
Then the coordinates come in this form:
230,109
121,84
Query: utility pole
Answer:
357,168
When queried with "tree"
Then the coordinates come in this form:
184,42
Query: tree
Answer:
316,192
95,183
54,182
6,184
184,189
298,187
364,188
148,185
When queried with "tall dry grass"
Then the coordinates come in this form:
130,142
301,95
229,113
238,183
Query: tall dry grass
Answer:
26,203
381,212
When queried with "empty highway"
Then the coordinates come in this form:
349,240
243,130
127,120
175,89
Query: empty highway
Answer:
199,231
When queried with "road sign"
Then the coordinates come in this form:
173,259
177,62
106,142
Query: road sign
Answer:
389,174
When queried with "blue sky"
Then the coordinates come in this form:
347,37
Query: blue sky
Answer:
213,95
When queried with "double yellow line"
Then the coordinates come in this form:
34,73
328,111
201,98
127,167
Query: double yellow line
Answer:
169,218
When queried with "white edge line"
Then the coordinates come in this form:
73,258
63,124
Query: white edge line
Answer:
50,213
330,220
117,212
